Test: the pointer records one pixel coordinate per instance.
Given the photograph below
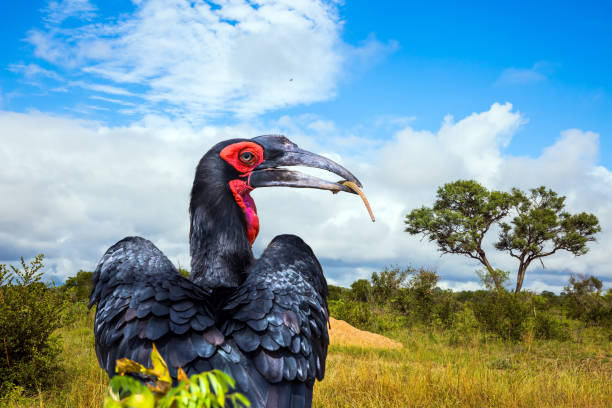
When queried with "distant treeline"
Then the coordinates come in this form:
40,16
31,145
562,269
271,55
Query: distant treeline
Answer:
399,297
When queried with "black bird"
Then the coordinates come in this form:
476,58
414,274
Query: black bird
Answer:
263,321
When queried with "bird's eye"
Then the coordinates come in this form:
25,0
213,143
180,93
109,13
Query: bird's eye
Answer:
247,157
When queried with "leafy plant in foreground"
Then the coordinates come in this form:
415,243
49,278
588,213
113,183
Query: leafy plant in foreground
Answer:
208,389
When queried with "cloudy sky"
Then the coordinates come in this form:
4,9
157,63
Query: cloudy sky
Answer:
106,107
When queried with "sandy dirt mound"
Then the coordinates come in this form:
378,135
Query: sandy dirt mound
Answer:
343,334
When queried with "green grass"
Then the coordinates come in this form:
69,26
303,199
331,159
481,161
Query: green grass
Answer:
428,372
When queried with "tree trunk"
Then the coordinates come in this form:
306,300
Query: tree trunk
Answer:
485,262
520,276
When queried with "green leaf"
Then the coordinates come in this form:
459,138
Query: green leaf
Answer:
142,400
208,389
237,397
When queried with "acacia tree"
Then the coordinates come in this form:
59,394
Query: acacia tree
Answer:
541,227
462,214
464,211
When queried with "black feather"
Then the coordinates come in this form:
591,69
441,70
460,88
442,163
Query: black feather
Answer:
263,321
177,317
159,309
258,325
202,347
183,305
156,328
179,328
247,339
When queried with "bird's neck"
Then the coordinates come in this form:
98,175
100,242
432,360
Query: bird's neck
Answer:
219,243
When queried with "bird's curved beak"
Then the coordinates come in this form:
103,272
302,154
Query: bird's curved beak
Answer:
279,152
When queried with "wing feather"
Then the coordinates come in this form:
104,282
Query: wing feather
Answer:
142,299
283,313
271,335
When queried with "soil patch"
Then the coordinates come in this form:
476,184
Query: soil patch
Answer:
343,334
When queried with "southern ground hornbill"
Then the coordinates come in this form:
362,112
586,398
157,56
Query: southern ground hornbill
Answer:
263,321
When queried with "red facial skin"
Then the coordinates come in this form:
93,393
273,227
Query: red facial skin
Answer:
235,155
231,154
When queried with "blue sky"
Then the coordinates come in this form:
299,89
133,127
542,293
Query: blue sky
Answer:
350,79
449,57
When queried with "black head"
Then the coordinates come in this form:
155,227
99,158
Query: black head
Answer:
224,222
235,167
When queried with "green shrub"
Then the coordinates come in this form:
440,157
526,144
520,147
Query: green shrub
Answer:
355,313
29,314
337,292
585,302
387,283
421,301
79,286
503,313
361,290
445,308
548,327
422,285
464,328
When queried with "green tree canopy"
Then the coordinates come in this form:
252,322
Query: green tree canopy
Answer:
462,214
464,211
541,227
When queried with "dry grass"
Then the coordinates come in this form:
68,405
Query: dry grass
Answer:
425,372
436,375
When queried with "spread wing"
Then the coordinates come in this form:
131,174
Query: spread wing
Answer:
278,319
142,299
271,335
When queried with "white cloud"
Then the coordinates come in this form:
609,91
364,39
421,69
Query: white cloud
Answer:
58,11
107,89
112,100
31,71
205,58
523,76
469,148
77,187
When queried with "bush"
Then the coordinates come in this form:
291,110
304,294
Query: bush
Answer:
364,316
79,286
29,315
361,290
422,285
445,308
464,327
355,313
337,292
585,302
503,313
387,283
548,327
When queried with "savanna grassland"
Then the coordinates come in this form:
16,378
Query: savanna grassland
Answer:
426,372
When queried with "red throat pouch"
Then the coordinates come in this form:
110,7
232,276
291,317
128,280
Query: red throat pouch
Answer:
241,191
